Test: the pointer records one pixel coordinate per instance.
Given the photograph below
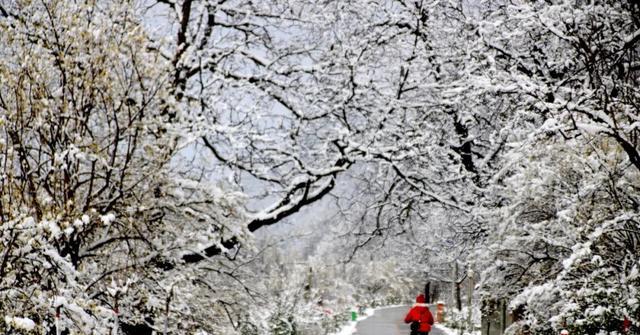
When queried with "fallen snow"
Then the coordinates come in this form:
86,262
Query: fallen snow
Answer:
347,330
449,331
350,328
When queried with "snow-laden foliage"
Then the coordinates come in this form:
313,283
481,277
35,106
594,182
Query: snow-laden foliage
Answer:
292,294
144,141
93,213
293,95
565,246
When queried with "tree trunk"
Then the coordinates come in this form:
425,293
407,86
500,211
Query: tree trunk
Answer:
456,288
427,292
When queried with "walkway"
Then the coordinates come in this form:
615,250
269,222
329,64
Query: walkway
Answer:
389,321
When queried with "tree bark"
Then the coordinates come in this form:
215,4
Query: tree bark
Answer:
456,288
427,292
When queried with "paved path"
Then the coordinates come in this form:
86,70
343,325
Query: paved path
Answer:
389,321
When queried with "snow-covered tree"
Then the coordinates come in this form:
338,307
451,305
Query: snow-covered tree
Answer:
93,208
143,142
566,235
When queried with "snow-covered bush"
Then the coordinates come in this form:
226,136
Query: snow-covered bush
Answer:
459,319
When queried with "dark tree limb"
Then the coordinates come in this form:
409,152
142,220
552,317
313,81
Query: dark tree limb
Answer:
286,208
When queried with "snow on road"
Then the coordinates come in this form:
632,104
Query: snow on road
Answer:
386,321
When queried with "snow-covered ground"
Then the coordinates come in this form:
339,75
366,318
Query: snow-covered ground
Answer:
347,329
449,331
351,327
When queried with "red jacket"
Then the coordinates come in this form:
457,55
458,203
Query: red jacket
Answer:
421,313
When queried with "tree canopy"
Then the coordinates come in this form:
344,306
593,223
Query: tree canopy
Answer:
145,143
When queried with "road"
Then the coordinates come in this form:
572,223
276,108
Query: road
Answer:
389,321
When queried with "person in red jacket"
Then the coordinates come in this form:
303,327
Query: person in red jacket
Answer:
420,317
